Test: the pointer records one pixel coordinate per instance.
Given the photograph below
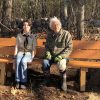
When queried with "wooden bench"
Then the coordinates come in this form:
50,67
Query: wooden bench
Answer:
85,54
6,50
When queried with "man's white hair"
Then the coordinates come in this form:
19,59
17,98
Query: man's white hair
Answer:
54,19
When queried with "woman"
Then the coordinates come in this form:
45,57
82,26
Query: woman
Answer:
24,51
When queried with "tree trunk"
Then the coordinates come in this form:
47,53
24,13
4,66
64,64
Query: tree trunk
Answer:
43,8
66,9
6,17
80,21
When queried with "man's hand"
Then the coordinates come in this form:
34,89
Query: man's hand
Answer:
57,59
48,55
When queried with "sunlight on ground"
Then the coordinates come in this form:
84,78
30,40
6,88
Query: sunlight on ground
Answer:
20,91
94,96
44,93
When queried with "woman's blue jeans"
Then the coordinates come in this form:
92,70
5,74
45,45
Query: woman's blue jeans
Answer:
21,66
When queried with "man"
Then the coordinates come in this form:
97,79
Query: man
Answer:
58,48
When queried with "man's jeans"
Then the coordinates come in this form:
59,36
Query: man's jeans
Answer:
21,66
61,65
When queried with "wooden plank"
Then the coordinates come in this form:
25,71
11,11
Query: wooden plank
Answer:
3,73
74,63
41,42
7,50
86,54
85,64
7,60
37,61
7,41
77,44
83,44
83,79
40,51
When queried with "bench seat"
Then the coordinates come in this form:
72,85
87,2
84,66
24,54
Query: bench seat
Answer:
85,64
6,60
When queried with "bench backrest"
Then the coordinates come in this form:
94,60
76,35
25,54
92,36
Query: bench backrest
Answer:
86,49
81,48
7,46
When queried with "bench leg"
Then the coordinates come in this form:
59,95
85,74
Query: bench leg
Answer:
9,69
83,79
3,72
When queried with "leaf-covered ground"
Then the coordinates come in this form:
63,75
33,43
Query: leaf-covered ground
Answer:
52,91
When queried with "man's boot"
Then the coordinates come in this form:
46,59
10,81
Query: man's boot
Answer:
63,83
46,77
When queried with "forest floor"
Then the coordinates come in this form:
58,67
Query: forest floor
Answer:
52,91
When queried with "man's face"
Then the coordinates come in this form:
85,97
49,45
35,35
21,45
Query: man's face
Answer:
56,26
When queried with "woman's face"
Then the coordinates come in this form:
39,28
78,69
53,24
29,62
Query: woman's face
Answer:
26,27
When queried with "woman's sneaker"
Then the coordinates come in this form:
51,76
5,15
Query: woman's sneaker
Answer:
17,85
23,86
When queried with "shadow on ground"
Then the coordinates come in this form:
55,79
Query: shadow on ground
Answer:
36,91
